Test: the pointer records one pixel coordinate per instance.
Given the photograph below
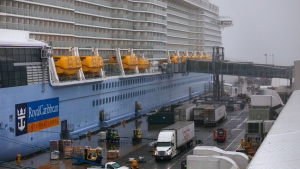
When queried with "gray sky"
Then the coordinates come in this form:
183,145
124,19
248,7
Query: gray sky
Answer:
262,27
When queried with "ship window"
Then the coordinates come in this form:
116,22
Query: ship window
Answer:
115,98
11,117
109,99
112,99
96,87
112,84
109,85
106,100
96,102
103,101
103,86
120,97
99,86
115,84
93,103
100,101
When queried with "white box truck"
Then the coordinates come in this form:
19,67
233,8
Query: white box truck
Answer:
184,112
172,139
213,114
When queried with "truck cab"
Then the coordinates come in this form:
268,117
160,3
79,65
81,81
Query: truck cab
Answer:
165,146
220,134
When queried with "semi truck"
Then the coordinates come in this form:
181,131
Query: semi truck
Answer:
213,114
173,139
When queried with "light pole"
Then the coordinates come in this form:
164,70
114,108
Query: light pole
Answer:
273,59
266,58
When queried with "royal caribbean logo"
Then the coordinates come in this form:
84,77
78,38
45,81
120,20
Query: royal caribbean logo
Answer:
37,115
21,119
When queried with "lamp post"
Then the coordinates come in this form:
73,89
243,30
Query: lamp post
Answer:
266,58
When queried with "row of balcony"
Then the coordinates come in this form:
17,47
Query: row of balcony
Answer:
58,30
39,14
119,25
124,4
56,3
70,16
36,28
110,13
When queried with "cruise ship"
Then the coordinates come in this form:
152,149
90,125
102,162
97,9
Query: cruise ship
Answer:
42,99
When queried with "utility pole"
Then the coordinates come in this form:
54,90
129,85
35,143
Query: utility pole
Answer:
266,58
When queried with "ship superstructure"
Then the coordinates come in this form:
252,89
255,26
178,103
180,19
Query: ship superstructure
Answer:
150,27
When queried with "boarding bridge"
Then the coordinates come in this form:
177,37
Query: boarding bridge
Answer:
248,69
219,66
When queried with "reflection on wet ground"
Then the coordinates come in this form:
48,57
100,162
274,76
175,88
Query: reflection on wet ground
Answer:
125,146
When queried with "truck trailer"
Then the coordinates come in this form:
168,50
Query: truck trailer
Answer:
199,112
184,112
213,114
173,139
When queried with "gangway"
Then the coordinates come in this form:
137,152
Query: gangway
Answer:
248,69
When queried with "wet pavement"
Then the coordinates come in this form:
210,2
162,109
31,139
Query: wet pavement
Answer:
235,125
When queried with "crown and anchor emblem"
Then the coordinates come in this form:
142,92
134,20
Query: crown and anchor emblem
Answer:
21,116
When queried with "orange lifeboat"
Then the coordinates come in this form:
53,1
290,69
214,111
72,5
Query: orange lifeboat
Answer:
67,65
174,59
129,62
91,64
206,56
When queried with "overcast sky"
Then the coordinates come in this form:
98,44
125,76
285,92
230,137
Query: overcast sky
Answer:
261,27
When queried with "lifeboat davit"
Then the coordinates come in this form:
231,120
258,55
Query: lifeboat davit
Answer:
91,64
67,65
183,58
129,62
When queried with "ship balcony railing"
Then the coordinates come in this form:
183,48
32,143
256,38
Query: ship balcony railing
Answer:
107,3
55,3
181,28
117,5
129,36
140,8
138,17
117,15
128,17
128,26
178,13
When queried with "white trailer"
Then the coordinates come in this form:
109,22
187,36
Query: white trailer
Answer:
213,114
184,112
174,138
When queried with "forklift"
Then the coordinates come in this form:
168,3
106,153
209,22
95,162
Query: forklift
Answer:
220,135
137,135
112,135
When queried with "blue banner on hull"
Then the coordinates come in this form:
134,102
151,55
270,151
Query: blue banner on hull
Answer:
37,115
